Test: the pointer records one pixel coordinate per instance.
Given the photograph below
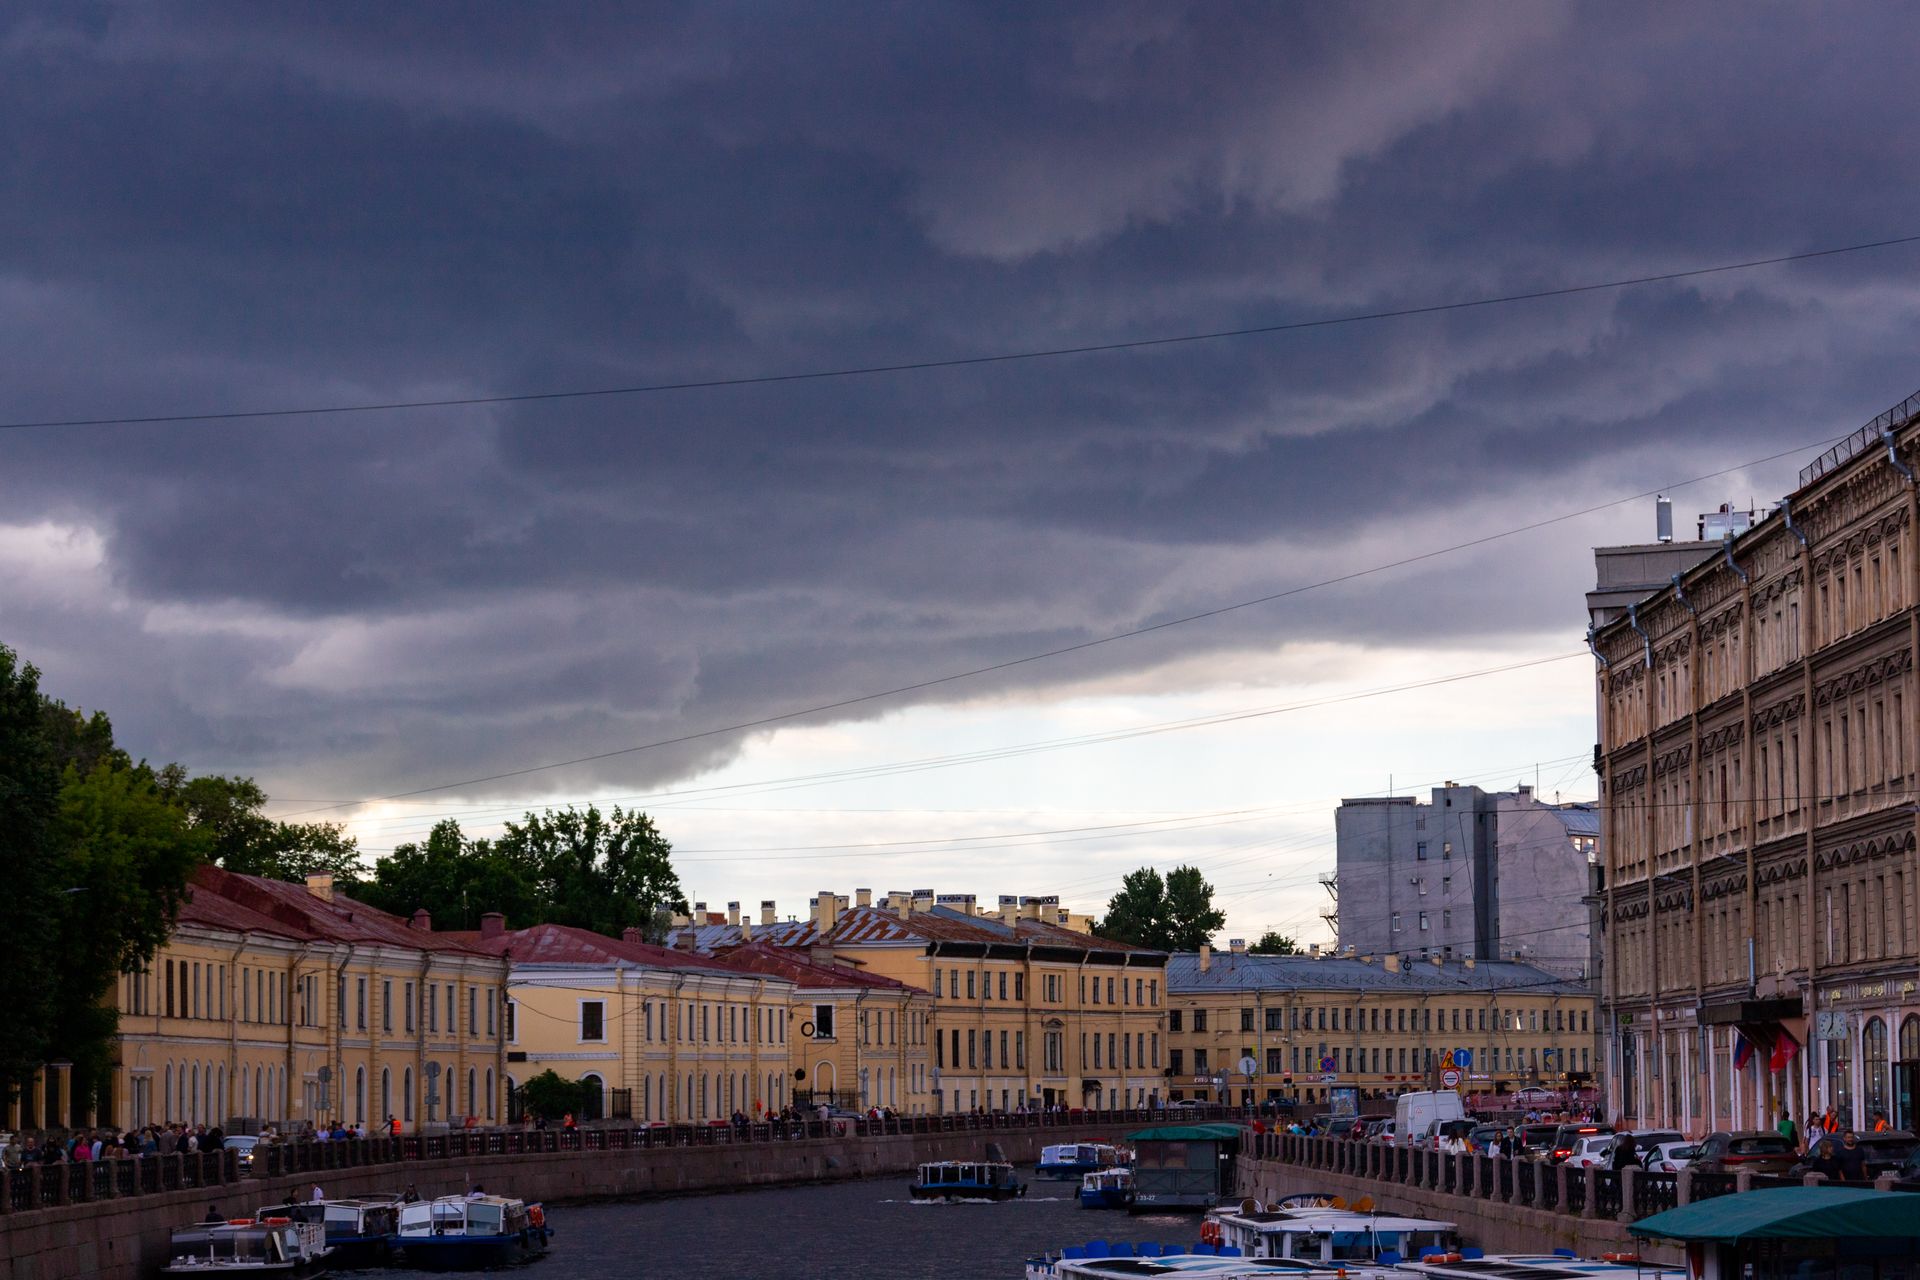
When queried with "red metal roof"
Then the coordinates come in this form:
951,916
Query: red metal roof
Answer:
225,900
561,944
798,968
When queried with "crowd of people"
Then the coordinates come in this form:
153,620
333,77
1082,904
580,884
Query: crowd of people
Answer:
106,1144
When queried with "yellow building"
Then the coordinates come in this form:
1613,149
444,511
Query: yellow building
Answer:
293,1005
1313,1023
1029,1008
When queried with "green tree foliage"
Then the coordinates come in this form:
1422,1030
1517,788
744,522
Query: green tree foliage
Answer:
552,1095
31,910
600,873
1275,943
455,879
247,842
1175,914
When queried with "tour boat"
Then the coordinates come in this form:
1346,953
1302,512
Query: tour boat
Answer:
1106,1188
1326,1236
278,1246
359,1233
1069,1160
468,1233
1471,1264
1119,1260
966,1180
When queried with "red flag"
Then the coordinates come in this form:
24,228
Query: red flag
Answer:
1784,1047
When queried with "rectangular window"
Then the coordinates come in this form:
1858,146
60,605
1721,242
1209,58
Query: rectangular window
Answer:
1199,1061
970,977
1109,990
1423,922
1420,850
360,1004
409,992
431,997
1199,1019
1020,1050
473,1006
823,1021
1019,986
1394,922
938,985
1003,984
593,1025
511,1011
1096,989
1005,1039
1173,1017
1246,1019
973,1048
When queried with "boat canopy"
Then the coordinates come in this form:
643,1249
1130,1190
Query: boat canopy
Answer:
1790,1213
1187,1133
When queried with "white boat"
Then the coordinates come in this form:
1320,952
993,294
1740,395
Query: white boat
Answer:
1069,1160
1121,1261
469,1233
1328,1237
1107,1188
966,1180
1541,1266
276,1246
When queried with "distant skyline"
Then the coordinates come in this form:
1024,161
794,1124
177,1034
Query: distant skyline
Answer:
219,207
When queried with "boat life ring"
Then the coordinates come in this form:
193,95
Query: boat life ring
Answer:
537,1215
1210,1232
239,1222
1619,1257
274,1222
840,1129
1444,1257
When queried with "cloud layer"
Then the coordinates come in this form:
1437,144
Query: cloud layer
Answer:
237,206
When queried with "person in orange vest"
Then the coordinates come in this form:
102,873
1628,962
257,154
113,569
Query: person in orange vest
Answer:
1880,1122
568,1122
393,1125
1829,1123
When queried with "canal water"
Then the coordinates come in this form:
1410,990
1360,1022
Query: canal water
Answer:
862,1230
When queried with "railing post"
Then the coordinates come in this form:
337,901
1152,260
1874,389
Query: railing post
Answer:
1560,1176
1590,1207
1629,1190
1683,1186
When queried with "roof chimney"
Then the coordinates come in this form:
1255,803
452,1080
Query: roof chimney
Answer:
767,913
632,934
1009,908
492,924
1436,960
863,897
422,918
1392,962
1469,962
826,910
1206,958
733,913
746,931
700,913
922,899
320,885
1237,945
819,955
1313,950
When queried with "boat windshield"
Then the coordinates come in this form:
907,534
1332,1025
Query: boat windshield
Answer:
247,1244
484,1219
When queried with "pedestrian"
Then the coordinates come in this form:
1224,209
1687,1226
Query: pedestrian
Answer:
1783,1125
1826,1159
1880,1122
1624,1155
393,1126
213,1214
1853,1161
318,1195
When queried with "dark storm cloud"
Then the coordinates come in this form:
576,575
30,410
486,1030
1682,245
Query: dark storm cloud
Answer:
237,206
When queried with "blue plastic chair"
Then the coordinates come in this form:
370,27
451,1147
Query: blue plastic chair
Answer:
1470,1254
1230,1251
1388,1258
1074,1251
1204,1249
1172,1250
1099,1249
1147,1249
1558,1253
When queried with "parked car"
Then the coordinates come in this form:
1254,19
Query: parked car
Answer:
1362,1124
1564,1136
1754,1150
1534,1140
1670,1157
1380,1131
243,1144
1645,1140
1884,1152
1445,1132
1594,1151
1535,1096
1481,1134
1414,1113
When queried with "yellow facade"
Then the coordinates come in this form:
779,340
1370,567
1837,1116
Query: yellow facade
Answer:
1372,1024
284,1004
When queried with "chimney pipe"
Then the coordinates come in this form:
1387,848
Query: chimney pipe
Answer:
1206,958
422,919
1392,962
320,885
632,934
1238,946
746,931
826,910
733,913
767,912
863,897
492,924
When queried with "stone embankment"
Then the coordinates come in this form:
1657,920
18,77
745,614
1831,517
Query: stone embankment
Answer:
65,1224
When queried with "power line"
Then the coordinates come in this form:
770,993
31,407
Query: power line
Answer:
1081,646
956,362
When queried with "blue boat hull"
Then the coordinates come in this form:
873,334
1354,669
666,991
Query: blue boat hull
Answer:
1103,1198
469,1253
959,1191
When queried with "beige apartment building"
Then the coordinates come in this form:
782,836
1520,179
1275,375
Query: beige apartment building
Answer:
1028,1007
1306,1025
1757,749
293,1005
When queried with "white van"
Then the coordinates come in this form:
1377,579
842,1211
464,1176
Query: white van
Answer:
1414,1114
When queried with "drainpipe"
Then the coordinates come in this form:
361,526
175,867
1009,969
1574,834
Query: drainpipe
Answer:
233,1023
1633,620
1786,514
1679,593
337,1095
1893,456
1726,549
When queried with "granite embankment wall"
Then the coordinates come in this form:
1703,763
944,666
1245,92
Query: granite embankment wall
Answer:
123,1238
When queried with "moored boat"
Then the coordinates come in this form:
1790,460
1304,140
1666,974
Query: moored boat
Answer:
277,1246
469,1233
1106,1188
1120,1260
966,1180
1070,1160
358,1232
1330,1237
1471,1264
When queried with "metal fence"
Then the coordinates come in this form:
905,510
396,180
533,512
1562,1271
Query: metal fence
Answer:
50,1185
1866,436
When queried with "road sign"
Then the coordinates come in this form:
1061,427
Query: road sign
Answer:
1328,1064
1249,1066
1450,1079
1463,1059
1328,1078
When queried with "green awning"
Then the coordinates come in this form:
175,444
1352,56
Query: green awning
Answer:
1790,1213
1187,1133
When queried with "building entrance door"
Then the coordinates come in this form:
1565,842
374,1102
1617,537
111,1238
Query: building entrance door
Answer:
1906,1093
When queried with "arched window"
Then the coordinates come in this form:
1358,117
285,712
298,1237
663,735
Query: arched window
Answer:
490,1093
190,1111
473,1093
166,1090
359,1095
386,1098
1910,1038
1873,1068
406,1095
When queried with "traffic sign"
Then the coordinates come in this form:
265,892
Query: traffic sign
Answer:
1463,1059
1450,1079
1328,1064
1329,1077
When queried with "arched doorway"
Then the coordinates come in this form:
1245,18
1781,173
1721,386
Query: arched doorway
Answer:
1906,1075
1873,1070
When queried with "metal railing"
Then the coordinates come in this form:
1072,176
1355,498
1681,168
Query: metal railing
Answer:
41,1186
1898,416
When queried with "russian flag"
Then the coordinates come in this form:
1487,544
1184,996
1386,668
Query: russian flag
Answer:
1742,1052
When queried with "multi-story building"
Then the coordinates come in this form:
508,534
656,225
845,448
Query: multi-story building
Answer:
295,1005
1245,1028
1757,749
1029,1007
1494,876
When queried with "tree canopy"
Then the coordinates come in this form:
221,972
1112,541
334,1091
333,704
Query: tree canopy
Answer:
1275,943
1174,914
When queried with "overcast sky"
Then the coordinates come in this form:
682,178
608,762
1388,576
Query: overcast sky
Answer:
229,207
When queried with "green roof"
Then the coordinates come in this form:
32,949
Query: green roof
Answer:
1187,1133
1790,1213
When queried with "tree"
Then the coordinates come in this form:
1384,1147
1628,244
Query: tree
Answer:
552,1095
1137,914
1176,914
455,879
1275,943
1192,919
30,909
601,873
246,841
